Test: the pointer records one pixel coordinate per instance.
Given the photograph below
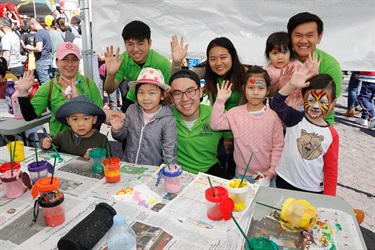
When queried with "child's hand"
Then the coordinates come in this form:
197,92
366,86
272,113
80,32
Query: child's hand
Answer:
312,65
285,75
299,78
117,122
47,143
86,156
268,175
224,92
295,100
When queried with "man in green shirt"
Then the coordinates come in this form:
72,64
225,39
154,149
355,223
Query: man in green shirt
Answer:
197,142
306,31
138,55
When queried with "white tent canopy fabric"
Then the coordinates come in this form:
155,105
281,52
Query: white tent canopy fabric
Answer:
349,26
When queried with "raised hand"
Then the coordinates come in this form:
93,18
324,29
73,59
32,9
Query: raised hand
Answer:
285,75
112,63
177,49
116,122
26,82
312,65
224,92
299,78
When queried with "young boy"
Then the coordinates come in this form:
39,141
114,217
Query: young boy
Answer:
309,161
81,114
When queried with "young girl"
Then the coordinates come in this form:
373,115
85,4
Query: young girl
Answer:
149,125
309,161
256,128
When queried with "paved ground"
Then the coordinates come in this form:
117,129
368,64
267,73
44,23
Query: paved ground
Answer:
356,183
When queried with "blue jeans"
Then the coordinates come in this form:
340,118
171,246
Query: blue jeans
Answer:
43,69
366,97
352,91
251,180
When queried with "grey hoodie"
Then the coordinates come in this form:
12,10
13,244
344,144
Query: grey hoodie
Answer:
143,141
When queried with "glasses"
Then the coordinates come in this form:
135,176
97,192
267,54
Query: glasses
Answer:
190,92
140,45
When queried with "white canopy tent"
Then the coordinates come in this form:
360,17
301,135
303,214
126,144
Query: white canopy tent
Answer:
349,26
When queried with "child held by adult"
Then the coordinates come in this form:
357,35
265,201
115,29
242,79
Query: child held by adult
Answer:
279,51
309,161
149,124
256,128
81,114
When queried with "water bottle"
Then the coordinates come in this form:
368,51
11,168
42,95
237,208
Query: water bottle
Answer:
34,89
8,94
16,105
120,236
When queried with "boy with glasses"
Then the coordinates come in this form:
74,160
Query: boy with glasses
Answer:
197,142
138,55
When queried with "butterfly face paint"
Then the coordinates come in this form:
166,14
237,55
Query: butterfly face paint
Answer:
316,103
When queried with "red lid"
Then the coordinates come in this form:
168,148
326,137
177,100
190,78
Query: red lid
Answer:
6,166
226,206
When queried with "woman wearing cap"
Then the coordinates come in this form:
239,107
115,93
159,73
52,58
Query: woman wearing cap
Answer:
57,91
151,126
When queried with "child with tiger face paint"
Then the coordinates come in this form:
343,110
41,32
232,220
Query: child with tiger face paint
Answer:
309,161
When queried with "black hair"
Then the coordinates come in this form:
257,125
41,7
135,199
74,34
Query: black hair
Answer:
185,73
3,70
257,70
235,75
4,62
280,40
140,84
136,30
321,81
304,17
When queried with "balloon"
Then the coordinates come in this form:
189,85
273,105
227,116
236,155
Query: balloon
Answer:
48,20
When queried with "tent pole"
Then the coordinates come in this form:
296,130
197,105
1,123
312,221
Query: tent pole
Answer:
34,8
87,52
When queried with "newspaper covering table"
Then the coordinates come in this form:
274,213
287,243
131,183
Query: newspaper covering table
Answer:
153,214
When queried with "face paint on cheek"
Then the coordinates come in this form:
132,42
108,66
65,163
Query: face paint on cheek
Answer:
317,103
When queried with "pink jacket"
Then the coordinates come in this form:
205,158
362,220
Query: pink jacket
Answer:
262,135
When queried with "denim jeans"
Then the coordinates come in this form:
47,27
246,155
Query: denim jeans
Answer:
43,69
366,98
352,91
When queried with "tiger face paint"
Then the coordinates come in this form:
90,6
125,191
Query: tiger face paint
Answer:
316,103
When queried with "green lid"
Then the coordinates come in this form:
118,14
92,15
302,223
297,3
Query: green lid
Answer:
262,243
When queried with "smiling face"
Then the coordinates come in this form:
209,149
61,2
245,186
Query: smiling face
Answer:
68,66
220,60
305,37
255,93
279,59
138,49
316,103
82,124
188,107
149,96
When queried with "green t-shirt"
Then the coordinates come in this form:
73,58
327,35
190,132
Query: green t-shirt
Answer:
330,66
40,99
197,149
130,70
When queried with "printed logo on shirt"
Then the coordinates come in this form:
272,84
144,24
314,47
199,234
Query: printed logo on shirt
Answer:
206,130
309,145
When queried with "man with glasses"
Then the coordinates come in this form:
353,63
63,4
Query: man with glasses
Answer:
197,142
138,55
